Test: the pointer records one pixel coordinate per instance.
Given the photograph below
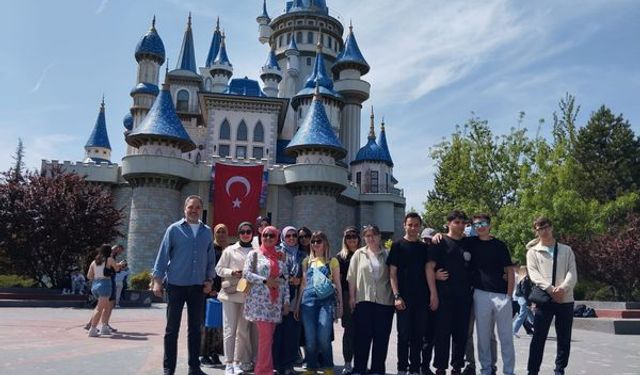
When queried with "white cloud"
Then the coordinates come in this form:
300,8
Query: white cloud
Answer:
102,6
42,77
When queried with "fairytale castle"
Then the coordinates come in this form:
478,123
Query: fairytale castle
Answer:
302,124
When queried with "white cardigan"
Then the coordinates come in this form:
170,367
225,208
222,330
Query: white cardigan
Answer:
232,259
540,267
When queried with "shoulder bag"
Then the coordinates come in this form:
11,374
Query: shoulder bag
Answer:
244,286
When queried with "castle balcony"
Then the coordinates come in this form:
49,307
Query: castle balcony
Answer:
144,165
316,174
353,87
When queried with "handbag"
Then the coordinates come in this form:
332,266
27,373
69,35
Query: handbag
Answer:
321,284
244,286
540,296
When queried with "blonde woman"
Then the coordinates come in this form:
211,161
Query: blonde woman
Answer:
320,303
371,299
236,329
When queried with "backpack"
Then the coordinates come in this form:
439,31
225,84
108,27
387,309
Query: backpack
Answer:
523,289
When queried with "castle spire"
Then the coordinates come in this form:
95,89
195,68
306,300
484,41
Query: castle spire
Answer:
187,57
372,131
214,48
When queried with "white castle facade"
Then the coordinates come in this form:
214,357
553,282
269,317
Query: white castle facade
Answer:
302,124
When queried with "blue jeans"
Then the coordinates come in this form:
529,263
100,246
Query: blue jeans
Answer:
318,324
524,314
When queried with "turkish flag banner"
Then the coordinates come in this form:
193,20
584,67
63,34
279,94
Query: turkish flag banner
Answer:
236,194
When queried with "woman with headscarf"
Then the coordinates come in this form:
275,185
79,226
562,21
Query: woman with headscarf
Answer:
286,337
237,341
320,303
350,243
268,297
212,345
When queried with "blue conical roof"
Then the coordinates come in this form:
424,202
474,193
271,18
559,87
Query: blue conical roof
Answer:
382,142
187,57
316,6
99,136
162,122
127,121
292,44
272,61
316,131
215,45
351,55
371,151
264,11
222,57
318,78
151,45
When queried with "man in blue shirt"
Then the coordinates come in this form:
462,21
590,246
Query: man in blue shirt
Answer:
186,260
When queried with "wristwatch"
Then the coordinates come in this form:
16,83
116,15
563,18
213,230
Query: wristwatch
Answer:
396,296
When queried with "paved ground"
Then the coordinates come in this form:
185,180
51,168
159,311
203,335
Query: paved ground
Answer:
52,341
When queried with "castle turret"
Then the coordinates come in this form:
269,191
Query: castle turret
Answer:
150,56
350,66
382,142
221,70
372,166
156,172
315,180
98,149
264,30
184,80
271,75
214,48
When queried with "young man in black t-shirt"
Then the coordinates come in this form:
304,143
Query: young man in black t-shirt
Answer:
450,298
490,262
407,260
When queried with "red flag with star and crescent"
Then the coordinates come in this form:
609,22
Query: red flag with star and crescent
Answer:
236,194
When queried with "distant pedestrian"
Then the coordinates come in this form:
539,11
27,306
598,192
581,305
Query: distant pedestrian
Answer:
524,318
188,246
99,273
552,268
78,282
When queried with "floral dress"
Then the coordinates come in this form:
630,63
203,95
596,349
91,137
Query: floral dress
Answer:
258,306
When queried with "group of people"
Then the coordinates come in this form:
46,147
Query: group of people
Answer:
282,289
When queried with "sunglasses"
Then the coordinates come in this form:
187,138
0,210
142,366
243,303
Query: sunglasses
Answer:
480,224
291,236
248,231
316,242
305,236
351,237
268,235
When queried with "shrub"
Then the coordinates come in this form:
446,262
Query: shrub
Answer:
15,281
140,281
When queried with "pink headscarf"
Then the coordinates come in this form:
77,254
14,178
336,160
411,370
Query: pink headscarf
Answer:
272,255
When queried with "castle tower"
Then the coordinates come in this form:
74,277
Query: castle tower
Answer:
184,80
263,20
271,75
98,148
315,180
318,80
150,56
156,172
350,66
214,48
221,70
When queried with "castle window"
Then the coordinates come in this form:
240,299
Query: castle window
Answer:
359,179
198,158
258,133
374,181
208,85
258,152
241,152
330,40
225,130
308,61
310,37
288,38
299,37
242,131
280,41
182,102
322,39
223,151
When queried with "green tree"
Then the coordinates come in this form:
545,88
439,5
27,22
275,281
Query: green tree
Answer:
52,221
18,168
607,153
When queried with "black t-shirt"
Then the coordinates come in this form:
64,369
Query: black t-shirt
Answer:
488,260
344,269
449,255
410,257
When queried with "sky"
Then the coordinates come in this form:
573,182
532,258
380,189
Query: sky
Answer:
434,65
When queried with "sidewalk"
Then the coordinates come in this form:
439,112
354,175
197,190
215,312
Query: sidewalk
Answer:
52,341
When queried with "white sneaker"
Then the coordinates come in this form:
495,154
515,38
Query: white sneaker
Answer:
93,332
228,369
237,369
105,330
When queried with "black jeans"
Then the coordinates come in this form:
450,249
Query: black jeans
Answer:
428,341
177,296
410,325
563,313
371,323
285,343
452,329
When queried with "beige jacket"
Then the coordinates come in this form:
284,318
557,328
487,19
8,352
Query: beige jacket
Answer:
360,274
540,267
232,259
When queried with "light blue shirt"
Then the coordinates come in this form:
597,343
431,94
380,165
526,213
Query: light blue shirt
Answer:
186,259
